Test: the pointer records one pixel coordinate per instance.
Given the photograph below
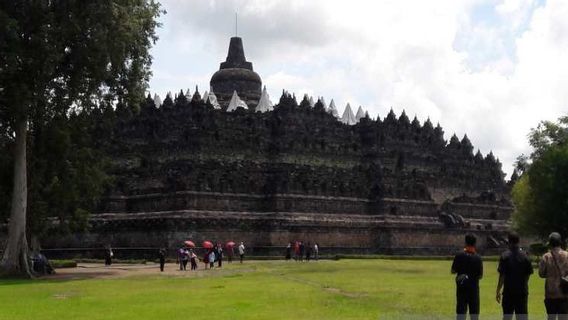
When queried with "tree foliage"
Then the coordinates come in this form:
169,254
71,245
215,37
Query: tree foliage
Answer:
59,57
541,193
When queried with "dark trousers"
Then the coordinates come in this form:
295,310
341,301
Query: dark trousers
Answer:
220,262
242,257
556,308
162,263
467,298
515,304
193,264
184,264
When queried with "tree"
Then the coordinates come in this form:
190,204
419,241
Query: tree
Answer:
64,55
540,195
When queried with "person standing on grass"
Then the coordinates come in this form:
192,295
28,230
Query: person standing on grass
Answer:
288,255
308,252
219,255
108,256
553,266
242,251
297,250
316,251
162,256
468,268
302,251
185,259
211,259
206,258
193,259
180,254
515,268
230,253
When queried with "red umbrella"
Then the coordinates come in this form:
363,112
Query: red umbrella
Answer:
230,244
189,243
207,244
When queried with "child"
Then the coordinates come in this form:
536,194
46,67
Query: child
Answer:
211,259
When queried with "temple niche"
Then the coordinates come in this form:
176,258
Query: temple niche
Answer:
230,165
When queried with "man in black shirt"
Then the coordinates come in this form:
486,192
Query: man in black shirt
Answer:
468,268
514,269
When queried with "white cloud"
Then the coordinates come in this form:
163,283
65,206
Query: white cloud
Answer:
491,69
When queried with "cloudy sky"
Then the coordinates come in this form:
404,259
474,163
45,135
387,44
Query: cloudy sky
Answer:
489,68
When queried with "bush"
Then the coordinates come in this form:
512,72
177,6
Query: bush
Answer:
538,249
58,264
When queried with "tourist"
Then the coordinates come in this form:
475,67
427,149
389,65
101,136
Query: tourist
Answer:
468,268
297,250
211,259
302,251
242,251
553,266
308,252
206,259
162,256
185,259
288,255
181,253
316,251
219,255
193,259
108,256
230,253
514,269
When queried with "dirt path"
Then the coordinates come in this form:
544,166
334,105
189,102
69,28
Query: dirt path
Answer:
100,271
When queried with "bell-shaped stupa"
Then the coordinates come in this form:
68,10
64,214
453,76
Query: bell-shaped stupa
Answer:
236,74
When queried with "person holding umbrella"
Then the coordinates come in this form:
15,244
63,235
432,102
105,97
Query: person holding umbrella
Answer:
230,250
207,258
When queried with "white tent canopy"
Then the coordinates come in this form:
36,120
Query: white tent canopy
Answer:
264,104
322,100
157,100
333,109
348,117
236,102
212,98
360,114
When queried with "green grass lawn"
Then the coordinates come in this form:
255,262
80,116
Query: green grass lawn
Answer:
345,289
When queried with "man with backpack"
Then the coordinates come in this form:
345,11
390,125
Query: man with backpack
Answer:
468,268
515,268
554,267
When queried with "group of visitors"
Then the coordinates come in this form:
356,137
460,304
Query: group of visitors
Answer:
185,256
211,256
300,251
514,269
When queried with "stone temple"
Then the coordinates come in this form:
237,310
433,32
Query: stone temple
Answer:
230,165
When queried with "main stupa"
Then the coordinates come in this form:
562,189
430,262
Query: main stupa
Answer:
236,74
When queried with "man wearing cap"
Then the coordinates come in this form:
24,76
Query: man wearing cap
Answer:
468,268
552,266
515,268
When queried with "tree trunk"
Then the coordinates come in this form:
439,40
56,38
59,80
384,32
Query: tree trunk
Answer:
14,262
